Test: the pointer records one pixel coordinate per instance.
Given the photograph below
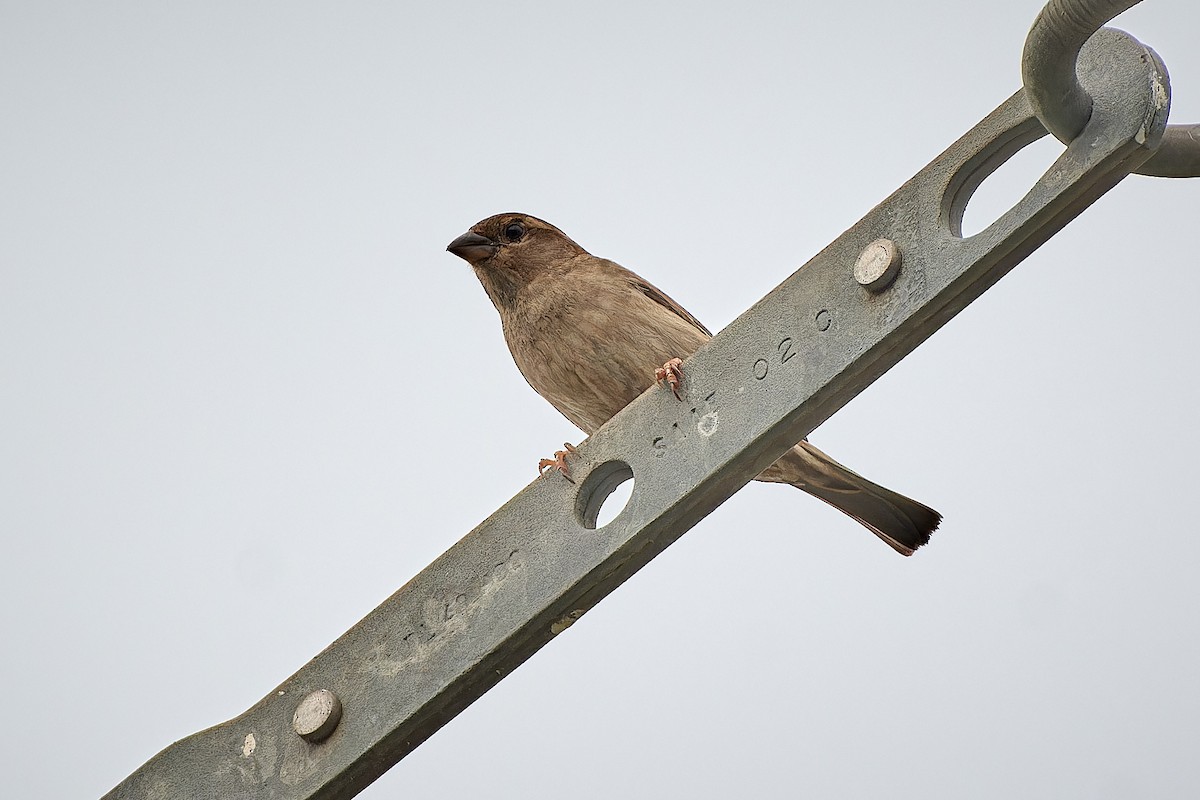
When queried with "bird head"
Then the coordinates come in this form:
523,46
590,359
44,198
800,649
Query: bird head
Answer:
510,250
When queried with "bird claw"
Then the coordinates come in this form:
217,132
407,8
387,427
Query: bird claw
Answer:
671,373
559,462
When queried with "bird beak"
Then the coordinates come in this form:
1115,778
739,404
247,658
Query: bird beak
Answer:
472,247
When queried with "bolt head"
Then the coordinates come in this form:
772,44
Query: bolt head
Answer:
877,265
317,715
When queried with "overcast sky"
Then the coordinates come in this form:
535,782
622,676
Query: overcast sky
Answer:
246,395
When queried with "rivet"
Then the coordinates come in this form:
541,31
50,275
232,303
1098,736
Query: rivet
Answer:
317,715
878,264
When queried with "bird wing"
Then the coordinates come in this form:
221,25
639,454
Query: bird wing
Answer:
657,295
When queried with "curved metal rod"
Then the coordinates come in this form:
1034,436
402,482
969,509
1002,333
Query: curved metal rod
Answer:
1064,106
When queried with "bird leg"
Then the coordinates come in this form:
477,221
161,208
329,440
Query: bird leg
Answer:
671,373
559,462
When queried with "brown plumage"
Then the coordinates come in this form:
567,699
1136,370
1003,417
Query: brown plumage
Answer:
588,334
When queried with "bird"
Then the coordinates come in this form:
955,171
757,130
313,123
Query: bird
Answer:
590,336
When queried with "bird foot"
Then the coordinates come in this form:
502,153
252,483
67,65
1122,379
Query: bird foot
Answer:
559,462
671,374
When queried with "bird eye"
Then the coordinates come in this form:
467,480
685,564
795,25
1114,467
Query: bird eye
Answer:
513,231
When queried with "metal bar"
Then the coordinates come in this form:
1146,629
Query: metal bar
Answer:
1063,105
778,371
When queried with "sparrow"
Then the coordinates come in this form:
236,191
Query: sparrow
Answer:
590,336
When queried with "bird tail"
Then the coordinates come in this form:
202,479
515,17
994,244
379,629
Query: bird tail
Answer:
900,521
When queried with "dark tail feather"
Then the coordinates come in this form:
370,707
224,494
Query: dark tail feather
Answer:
900,521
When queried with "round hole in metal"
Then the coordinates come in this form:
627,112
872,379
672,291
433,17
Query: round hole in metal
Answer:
1008,184
596,505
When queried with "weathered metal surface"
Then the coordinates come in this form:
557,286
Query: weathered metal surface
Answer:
778,371
1063,106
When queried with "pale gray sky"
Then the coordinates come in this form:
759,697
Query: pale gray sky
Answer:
247,395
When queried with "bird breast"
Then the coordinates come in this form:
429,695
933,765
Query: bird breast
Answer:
589,343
